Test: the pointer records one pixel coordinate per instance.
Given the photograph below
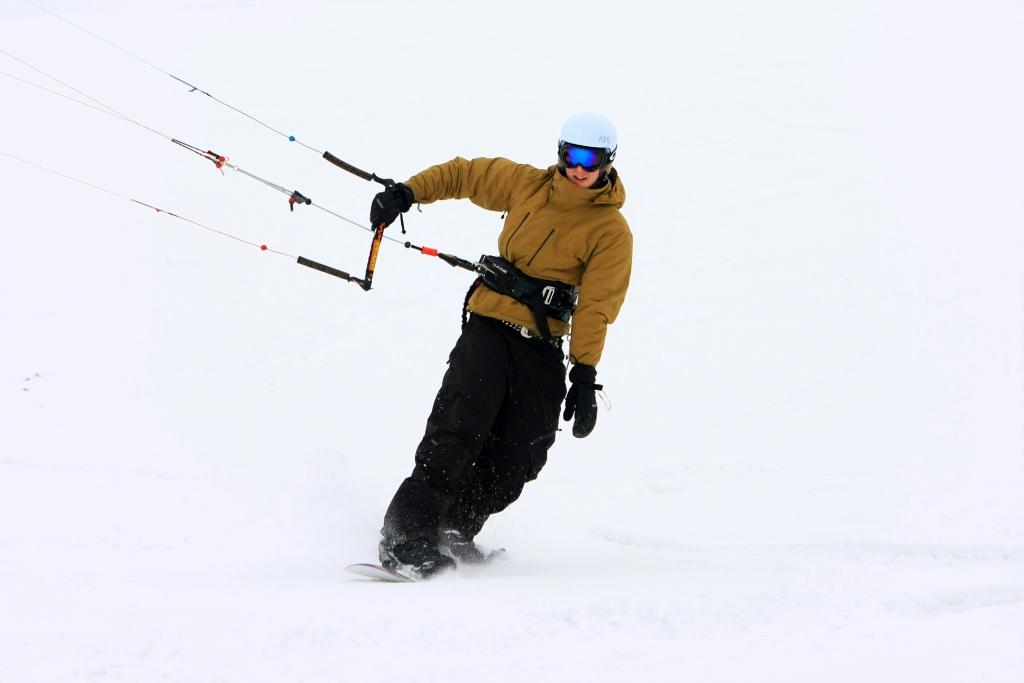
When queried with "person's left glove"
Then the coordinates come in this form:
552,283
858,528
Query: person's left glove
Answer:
388,204
581,401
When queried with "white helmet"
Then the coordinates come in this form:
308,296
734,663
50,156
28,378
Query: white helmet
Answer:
590,130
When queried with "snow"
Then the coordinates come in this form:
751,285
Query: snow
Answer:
813,465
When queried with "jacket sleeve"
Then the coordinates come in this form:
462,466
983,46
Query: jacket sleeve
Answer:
602,292
488,183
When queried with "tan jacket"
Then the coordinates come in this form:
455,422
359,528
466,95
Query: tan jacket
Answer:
553,230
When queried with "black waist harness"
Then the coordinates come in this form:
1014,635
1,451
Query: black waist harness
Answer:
546,298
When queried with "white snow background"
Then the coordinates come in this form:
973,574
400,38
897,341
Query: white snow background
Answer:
814,462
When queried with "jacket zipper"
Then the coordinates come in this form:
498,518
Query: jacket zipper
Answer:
541,246
509,240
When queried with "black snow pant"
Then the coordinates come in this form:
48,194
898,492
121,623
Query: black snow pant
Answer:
491,426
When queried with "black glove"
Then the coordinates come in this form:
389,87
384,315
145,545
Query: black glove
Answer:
386,206
581,400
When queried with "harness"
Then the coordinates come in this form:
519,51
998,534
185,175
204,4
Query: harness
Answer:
544,298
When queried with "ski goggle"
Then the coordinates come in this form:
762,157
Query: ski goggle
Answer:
590,158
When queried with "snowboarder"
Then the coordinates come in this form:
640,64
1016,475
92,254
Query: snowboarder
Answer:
566,250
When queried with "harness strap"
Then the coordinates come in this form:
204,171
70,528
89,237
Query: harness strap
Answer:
540,314
465,303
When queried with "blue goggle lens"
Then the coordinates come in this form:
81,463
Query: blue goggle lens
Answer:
589,158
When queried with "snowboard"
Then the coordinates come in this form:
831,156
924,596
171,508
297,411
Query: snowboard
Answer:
375,571
389,575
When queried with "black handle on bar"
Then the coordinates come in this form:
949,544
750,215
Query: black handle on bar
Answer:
303,261
386,182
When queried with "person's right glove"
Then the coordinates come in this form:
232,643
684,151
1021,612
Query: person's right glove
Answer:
581,401
388,204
